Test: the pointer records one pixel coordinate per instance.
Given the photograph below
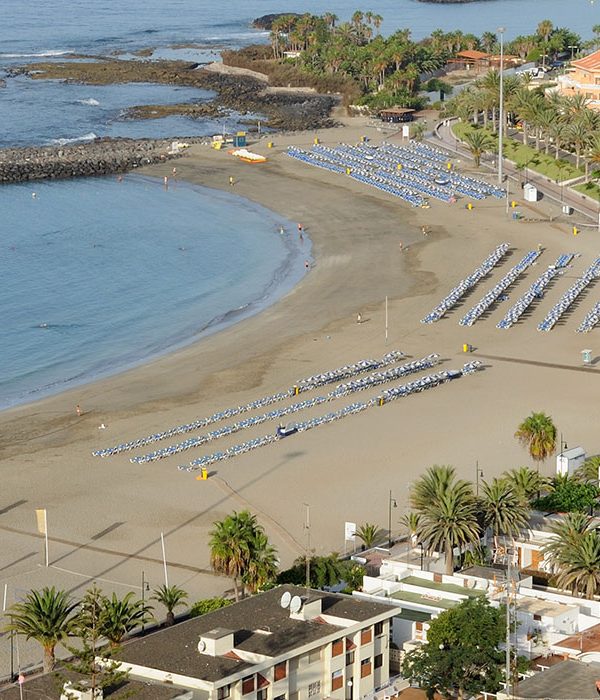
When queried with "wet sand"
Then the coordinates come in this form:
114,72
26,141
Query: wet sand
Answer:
105,516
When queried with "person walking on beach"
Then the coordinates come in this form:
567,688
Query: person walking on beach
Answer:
358,318
400,244
306,264
78,410
231,181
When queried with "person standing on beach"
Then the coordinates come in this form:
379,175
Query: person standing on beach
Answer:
78,410
231,181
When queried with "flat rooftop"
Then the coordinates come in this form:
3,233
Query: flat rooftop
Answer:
259,625
588,640
447,587
545,608
432,601
564,681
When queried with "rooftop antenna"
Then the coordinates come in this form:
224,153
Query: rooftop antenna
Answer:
307,530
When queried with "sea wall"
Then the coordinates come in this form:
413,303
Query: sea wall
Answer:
99,157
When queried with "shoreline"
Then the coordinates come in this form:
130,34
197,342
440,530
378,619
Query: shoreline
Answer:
278,285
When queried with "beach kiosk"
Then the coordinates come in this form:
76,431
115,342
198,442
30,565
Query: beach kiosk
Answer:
568,461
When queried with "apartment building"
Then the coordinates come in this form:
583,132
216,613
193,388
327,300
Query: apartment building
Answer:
285,644
583,78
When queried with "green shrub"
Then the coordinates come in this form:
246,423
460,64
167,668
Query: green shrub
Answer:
207,605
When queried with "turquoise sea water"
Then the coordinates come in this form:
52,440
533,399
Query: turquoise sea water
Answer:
99,275
95,275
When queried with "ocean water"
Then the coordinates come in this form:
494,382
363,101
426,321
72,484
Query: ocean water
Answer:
98,275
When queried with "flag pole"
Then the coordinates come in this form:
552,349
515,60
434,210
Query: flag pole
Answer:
46,534
386,320
162,542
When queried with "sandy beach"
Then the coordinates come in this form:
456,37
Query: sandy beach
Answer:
105,516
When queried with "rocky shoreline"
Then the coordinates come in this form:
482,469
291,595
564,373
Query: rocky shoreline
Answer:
99,157
288,111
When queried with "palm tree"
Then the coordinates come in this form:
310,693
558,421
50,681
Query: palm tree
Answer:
448,511
119,617
46,616
369,534
239,549
479,142
589,471
567,533
488,41
262,566
582,573
525,483
503,511
544,29
538,433
230,547
171,597
411,522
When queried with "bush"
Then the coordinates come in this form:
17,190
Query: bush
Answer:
207,605
568,496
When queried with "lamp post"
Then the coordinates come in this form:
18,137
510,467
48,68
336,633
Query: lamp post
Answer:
573,48
478,475
544,56
501,116
391,504
145,587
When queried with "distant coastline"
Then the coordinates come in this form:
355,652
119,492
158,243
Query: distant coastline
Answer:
450,2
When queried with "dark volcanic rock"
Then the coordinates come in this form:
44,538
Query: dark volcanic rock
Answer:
101,157
266,21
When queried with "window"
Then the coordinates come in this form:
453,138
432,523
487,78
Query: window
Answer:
365,668
314,689
349,658
337,648
537,617
248,685
280,672
314,656
378,661
261,694
280,697
378,628
224,692
366,636
337,680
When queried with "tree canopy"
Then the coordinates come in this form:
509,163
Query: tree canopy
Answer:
462,655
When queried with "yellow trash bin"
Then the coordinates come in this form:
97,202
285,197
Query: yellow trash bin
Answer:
513,204
270,144
465,347
575,230
316,141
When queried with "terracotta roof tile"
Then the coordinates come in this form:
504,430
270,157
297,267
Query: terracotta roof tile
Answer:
589,62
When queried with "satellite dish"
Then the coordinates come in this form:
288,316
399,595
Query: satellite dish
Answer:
285,600
201,646
295,604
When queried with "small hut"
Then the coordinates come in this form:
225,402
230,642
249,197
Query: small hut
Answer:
396,115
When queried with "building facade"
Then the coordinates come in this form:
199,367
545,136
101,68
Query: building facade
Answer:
583,78
279,645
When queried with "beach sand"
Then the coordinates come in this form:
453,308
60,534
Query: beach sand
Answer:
105,516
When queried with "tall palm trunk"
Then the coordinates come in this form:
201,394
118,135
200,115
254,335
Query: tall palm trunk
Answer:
49,658
449,559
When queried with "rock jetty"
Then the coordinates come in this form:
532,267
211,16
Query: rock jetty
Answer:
103,156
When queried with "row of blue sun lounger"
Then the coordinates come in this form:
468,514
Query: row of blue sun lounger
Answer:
361,384
468,283
591,274
427,382
421,175
497,290
416,162
305,384
536,291
592,318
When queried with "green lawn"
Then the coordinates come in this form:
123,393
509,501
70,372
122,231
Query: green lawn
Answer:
591,189
527,156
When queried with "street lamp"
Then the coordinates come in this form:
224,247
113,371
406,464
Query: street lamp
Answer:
573,48
501,31
144,587
478,475
391,504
